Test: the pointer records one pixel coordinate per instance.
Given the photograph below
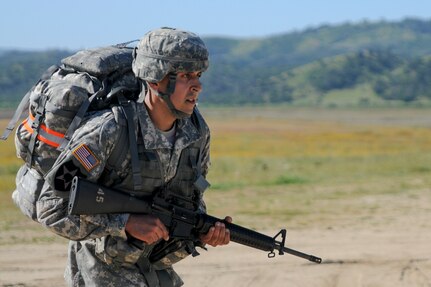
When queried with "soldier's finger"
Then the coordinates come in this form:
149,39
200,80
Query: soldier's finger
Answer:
159,233
228,219
226,237
219,234
207,237
162,231
217,231
149,239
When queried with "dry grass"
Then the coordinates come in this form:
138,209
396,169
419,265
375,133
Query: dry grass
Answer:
280,167
305,168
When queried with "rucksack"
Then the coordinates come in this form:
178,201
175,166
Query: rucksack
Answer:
88,80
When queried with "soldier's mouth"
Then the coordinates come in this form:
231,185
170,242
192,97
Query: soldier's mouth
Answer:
192,101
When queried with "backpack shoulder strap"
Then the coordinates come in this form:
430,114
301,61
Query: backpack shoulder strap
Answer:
129,112
125,116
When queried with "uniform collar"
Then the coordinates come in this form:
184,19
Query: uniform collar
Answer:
186,133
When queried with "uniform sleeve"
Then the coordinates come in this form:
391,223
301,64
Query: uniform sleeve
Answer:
86,157
205,164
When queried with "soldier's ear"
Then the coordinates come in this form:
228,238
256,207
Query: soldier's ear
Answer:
154,86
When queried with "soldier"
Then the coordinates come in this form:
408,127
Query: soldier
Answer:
171,152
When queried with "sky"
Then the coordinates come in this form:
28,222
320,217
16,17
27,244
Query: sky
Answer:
79,24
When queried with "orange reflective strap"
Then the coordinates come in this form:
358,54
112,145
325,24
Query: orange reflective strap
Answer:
46,135
48,130
47,141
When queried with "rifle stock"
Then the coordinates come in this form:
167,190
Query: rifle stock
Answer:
89,198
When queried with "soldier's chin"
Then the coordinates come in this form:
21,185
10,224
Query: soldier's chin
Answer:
182,114
189,107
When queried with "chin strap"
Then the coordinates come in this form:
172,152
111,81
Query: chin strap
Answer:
167,98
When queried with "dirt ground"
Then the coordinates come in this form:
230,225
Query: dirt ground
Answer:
389,248
397,256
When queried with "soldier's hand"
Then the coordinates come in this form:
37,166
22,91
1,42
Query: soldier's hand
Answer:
147,228
218,234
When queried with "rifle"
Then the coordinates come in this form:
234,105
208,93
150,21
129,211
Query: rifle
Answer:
183,223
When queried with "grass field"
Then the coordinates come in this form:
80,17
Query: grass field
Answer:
295,168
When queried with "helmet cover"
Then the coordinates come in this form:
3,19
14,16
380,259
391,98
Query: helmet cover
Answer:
168,50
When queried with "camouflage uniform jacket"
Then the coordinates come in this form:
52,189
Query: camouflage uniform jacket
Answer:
100,253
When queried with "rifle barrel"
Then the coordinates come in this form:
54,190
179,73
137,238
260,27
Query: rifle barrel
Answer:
309,257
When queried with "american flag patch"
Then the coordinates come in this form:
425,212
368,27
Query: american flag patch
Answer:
86,157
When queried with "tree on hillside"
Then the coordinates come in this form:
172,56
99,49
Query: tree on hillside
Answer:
353,69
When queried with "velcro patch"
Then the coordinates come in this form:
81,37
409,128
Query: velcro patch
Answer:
86,157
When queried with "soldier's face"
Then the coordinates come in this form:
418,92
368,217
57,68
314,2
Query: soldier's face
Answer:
187,90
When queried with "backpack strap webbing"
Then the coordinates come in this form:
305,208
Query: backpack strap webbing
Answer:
133,145
35,127
25,102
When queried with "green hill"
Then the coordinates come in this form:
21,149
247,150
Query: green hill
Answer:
382,63
20,70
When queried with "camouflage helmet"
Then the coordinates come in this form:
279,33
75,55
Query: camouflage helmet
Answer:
168,50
